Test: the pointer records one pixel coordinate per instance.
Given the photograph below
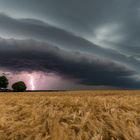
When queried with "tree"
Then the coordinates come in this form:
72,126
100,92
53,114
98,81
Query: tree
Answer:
19,86
3,82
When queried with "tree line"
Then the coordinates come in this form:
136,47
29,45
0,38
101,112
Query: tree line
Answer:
19,86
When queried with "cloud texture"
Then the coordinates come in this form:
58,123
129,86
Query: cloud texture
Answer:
94,42
29,55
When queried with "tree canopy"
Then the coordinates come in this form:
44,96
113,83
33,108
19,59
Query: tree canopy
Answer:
3,82
19,86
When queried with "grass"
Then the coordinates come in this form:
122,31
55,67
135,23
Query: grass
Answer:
81,115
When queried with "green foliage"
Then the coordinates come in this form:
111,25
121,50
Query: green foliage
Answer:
3,82
19,86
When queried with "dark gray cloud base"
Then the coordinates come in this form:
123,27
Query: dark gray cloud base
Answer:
97,41
36,29
25,55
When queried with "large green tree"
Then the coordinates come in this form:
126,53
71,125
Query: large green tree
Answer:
3,82
19,86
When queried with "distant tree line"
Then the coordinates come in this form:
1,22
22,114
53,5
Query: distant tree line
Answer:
16,87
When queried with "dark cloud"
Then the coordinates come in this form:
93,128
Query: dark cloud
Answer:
25,55
93,34
75,15
32,28
37,29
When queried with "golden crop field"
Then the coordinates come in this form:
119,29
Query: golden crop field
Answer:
81,115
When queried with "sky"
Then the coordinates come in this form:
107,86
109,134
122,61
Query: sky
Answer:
71,44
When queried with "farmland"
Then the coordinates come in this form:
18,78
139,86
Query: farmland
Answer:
71,115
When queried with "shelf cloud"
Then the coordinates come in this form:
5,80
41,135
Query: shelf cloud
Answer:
29,55
92,42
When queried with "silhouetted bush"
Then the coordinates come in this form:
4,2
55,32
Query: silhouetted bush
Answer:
3,82
19,86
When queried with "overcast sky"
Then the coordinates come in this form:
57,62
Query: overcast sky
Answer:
72,44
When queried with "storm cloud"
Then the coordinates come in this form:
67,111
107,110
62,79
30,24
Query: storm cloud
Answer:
25,55
93,42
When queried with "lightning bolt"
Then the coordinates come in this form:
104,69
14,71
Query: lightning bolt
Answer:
32,82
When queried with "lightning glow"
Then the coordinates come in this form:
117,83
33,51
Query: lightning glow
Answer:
32,82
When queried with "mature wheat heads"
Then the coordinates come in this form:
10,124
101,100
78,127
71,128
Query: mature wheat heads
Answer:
98,115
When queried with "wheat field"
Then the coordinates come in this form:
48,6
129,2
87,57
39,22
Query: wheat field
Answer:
73,115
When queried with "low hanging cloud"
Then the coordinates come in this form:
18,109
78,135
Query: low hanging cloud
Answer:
30,55
39,30
95,42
